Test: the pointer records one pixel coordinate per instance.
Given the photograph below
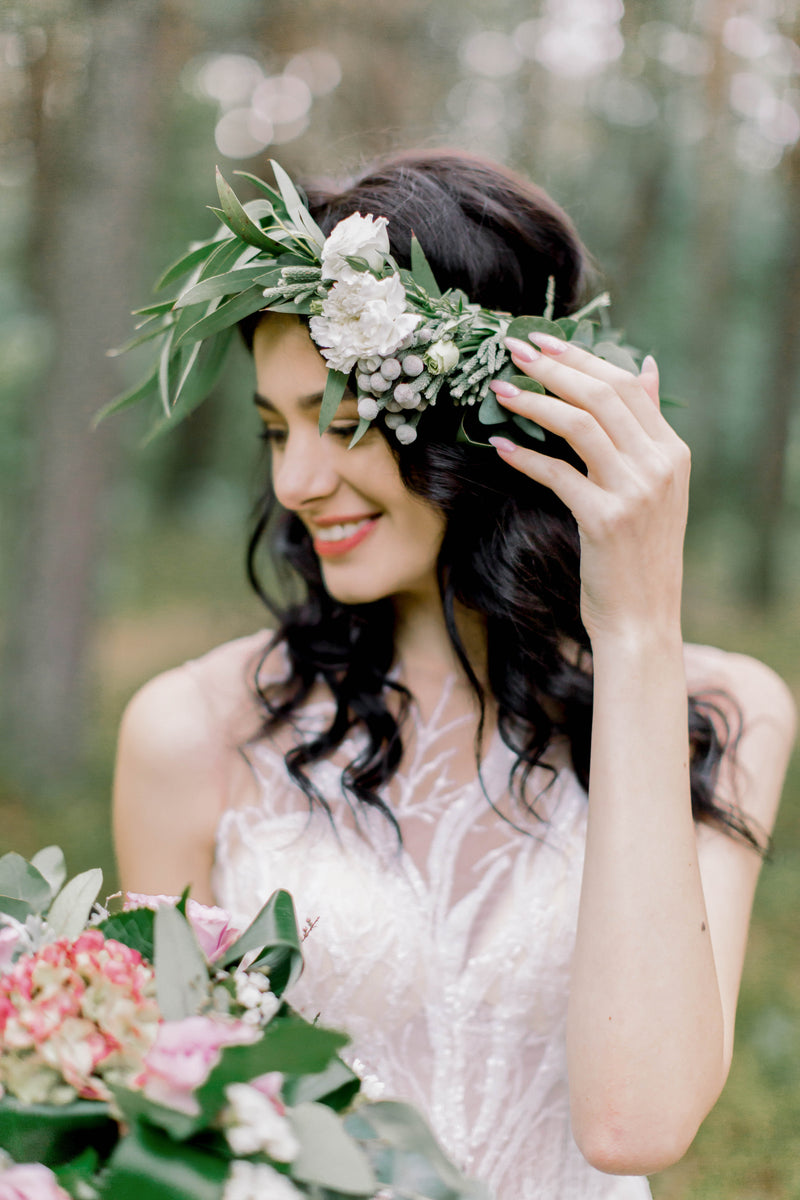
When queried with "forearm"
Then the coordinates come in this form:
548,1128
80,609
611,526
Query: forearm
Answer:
645,1028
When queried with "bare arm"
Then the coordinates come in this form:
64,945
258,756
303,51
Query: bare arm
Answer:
660,943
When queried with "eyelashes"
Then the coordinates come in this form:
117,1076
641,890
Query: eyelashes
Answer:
277,437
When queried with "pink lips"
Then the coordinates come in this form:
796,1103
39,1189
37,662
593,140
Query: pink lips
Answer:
335,549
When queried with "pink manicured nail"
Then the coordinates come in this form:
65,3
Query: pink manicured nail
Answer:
501,387
503,445
522,350
552,345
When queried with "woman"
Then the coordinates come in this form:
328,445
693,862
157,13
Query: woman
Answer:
551,976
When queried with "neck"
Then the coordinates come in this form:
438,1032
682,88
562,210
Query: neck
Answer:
423,645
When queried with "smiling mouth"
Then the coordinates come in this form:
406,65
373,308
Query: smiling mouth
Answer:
339,539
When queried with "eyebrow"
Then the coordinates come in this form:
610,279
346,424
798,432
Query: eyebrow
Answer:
305,402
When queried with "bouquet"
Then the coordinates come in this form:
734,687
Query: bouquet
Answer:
149,1051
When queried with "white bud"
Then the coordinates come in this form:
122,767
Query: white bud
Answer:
362,379
368,365
368,408
392,406
393,419
390,368
379,383
404,396
413,365
405,434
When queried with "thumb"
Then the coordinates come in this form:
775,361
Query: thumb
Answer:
649,379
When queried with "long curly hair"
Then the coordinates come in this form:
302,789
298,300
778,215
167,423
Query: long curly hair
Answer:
510,551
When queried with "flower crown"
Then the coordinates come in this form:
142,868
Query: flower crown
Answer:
403,337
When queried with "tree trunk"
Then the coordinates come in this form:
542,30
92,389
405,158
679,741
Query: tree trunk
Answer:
90,190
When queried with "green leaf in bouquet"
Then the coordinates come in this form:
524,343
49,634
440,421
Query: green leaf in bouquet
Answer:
77,1176
422,271
198,383
618,355
150,1165
70,910
181,969
228,314
23,889
335,386
134,929
295,207
521,327
55,1133
186,263
274,929
217,286
329,1157
239,221
584,333
528,426
406,1156
135,1106
490,411
148,386
289,1045
336,1086
49,861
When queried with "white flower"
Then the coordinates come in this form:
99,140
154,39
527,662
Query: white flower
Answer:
253,1124
360,317
441,356
258,1181
253,993
355,237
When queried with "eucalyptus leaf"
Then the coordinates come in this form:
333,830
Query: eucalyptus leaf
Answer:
154,310
140,339
150,1164
274,929
361,429
186,370
289,306
181,969
49,861
70,910
53,1133
328,1156
135,1106
335,387
617,355
490,411
211,361
164,373
568,326
526,384
419,1166
584,333
422,271
530,427
23,889
336,1086
262,186
521,327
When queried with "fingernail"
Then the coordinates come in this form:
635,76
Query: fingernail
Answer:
522,350
649,365
552,345
503,445
501,387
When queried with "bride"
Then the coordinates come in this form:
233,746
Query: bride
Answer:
464,747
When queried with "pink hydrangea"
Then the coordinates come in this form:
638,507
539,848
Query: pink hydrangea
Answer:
212,926
30,1181
72,1015
183,1055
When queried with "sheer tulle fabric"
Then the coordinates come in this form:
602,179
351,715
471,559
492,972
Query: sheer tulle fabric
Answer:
447,960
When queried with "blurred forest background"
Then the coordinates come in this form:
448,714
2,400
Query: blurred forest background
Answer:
669,129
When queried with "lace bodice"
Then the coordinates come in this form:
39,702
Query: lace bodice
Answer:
447,959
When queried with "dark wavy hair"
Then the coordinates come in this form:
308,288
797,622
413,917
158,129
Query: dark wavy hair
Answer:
510,550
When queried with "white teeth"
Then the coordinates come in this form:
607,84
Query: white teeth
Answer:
338,533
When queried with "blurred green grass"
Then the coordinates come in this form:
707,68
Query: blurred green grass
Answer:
183,591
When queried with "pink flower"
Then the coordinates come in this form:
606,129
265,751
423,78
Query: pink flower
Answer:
211,925
184,1054
30,1181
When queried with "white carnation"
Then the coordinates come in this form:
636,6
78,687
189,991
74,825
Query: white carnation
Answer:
254,1125
258,1181
355,237
360,317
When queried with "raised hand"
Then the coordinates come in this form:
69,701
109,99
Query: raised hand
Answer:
631,505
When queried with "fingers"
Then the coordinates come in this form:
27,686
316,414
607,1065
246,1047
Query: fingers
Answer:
578,493
615,396
649,378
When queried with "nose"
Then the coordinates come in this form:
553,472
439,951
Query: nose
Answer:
304,469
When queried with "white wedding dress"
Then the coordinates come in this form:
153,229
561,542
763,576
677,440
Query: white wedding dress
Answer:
447,960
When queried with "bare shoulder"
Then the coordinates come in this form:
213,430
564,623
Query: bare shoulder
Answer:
179,766
760,693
